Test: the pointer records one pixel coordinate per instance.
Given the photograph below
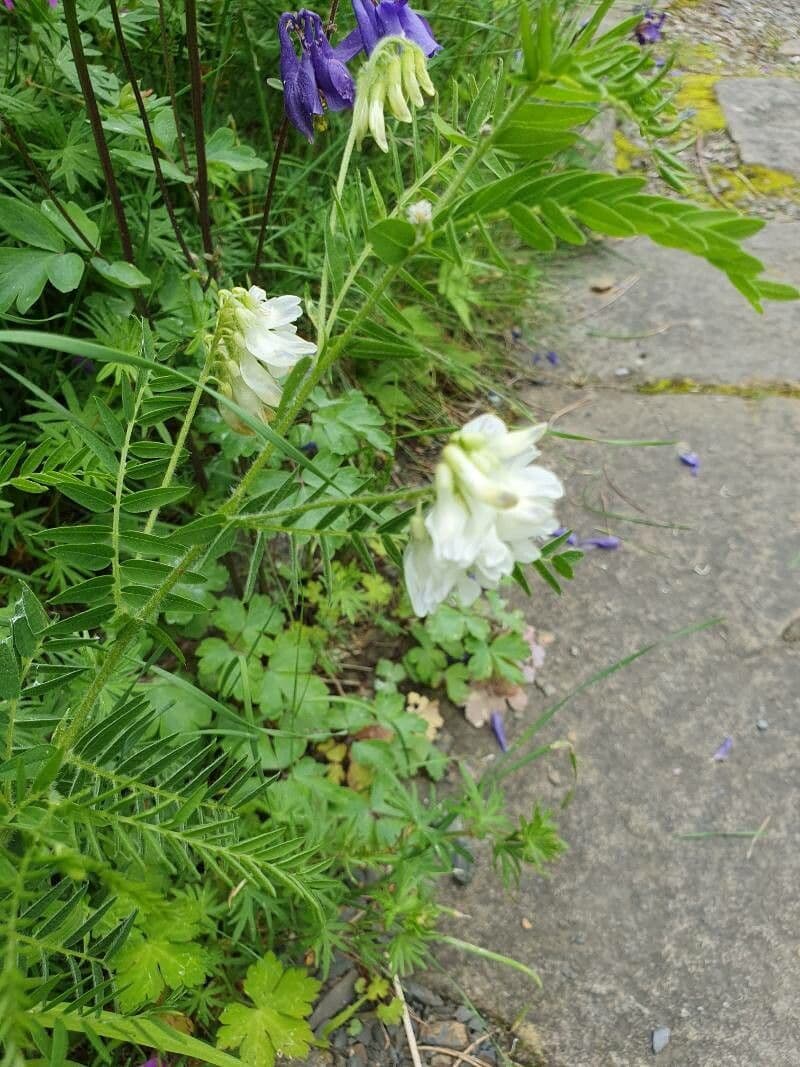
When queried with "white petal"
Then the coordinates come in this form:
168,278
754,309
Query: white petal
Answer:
428,581
260,381
474,483
279,349
280,310
489,426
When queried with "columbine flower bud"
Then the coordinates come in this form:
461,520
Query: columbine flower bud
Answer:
420,213
492,505
393,75
257,346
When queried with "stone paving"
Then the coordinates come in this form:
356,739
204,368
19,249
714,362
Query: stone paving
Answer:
646,939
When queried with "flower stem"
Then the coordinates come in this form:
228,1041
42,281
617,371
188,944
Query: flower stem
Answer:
280,144
78,55
148,132
41,177
180,440
169,69
196,79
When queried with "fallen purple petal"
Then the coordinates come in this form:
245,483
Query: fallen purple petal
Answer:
723,751
498,730
691,460
552,359
608,543
571,540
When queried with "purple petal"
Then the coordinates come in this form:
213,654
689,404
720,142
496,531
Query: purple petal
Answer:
349,46
724,750
417,29
9,5
690,459
367,20
332,76
496,720
552,359
571,540
607,543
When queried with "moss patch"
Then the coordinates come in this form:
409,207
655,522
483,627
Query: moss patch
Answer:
626,152
697,92
753,180
747,390
697,56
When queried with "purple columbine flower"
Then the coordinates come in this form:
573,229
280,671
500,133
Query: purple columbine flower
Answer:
496,720
300,93
333,77
649,29
691,460
723,751
389,18
608,543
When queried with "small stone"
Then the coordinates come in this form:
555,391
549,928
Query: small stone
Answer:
526,924
463,1013
422,994
790,47
602,283
622,372
548,689
358,1055
447,1034
660,1038
762,726
553,777
574,651
338,996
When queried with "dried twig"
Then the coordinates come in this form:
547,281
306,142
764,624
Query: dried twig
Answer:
756,836
701,163
463,1057
413,1048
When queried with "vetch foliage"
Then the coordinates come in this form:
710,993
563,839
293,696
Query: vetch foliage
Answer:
228,356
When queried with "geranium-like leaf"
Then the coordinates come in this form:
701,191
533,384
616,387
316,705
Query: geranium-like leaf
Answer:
276,1023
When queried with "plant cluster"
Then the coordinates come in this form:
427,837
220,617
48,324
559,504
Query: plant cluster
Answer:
213,773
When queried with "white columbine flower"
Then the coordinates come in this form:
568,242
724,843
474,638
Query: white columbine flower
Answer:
492,506
257,346
420,213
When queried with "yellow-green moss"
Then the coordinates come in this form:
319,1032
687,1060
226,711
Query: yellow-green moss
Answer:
696,56
753,180
626,152
747,391
697,92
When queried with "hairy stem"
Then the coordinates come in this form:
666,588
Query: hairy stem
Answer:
196,79
148,132
93,111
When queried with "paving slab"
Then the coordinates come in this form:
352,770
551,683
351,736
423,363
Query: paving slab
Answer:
648,312
761,116
636,928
